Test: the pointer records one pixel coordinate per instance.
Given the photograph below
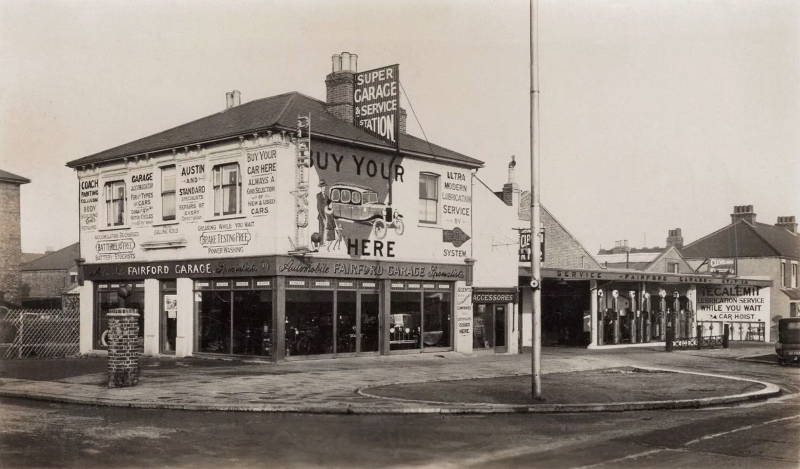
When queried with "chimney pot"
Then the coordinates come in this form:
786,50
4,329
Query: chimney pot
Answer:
237,98
336,63
228,100
353,63
346,62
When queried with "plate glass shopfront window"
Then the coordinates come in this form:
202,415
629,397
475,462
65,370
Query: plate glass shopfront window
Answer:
309,322
237,322
420,319
106,299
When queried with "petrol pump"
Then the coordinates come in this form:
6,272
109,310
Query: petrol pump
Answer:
601,318
615,316
646,315
634,319
690,327
676,313
662,315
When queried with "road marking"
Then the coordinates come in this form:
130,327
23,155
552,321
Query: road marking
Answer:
624,458
746,427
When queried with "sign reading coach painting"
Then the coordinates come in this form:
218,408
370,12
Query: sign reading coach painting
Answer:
377,103
732,303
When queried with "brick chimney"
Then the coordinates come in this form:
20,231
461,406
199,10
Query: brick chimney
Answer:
233,99
339,88
743,212
675,238
510,189
787,222
620,247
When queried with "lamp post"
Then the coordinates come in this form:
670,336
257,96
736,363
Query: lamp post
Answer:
536,278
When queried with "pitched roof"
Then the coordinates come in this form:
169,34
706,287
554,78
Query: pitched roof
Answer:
741,239
31,256
63,259
277,112
5,176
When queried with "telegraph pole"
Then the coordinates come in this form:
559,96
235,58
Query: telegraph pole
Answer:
536,275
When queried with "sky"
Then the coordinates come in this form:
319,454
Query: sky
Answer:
654,115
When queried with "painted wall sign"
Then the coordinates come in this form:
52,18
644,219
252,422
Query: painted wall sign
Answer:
89,204
141,198
376,110
456,236
525,245
722,265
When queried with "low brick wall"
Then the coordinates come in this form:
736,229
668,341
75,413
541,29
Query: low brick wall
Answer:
123,348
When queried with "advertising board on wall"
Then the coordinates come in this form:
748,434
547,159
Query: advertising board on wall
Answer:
722,265
376,95
734,303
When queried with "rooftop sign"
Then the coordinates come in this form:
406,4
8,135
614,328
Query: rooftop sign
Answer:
376,98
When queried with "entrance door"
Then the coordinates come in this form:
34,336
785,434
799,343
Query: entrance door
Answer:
500,329
357,322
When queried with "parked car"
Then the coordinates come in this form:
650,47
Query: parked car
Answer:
361,205
788,345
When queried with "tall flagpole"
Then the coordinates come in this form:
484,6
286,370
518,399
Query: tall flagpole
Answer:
536,276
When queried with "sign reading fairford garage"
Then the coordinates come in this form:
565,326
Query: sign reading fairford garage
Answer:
649,277
275,265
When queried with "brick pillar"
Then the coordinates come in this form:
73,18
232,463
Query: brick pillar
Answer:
123,348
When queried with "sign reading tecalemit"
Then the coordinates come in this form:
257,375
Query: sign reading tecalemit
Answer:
376,96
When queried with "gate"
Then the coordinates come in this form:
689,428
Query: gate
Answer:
26,333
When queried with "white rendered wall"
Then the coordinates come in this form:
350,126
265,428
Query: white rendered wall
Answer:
151,319
184,340
86,317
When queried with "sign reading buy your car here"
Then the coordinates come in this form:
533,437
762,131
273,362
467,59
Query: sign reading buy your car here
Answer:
732,303
377,103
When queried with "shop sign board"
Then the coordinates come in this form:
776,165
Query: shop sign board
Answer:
525,245
649,277
494,295
733,303
275,265
722,265
376,97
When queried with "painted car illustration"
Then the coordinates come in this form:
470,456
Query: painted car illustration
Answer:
361,205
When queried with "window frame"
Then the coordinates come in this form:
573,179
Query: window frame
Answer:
109,189
673,267
793,276
174,192
219,169
436,178
783,274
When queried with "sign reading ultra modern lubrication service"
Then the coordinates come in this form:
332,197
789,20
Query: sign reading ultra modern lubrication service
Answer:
376,96
732,303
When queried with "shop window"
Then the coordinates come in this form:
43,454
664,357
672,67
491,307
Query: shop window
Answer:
436,319
428,198
106,299
672,267
168,193
420,320
115,203
405,321
309,322
235,322
227,189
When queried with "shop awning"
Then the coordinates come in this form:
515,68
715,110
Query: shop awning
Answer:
638,276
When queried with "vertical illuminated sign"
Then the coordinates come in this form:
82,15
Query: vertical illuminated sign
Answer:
376,97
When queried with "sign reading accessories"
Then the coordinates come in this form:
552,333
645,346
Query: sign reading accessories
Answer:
377,103
484,295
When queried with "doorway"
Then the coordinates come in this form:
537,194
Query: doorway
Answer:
169,317
489,327
357,323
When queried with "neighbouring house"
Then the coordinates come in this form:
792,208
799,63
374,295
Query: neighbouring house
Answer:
10,237
748,247
47,279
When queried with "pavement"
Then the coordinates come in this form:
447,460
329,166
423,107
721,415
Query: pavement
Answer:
573,380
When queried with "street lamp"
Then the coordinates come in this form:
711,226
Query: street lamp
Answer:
536,294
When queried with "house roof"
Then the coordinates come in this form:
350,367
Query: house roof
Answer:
31,256
5,176
742,239
277,112
63,259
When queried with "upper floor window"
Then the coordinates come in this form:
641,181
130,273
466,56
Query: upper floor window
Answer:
794,276
168,192
783,274
672,267
428,198
227,189
115,203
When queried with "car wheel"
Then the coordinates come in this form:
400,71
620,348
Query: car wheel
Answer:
380,229
399,228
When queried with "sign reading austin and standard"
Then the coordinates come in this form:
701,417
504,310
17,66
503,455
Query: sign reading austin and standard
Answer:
273,265
646,277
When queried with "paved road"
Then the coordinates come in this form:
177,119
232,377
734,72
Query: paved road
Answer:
762,435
